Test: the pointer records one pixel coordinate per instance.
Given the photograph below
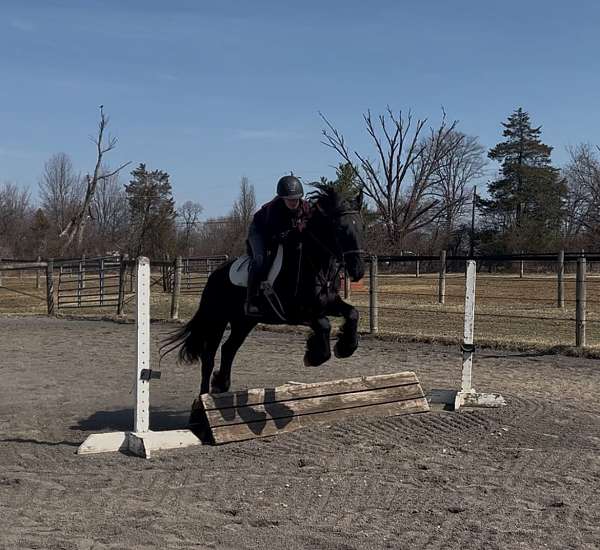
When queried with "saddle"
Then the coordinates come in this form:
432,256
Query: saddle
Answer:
238,272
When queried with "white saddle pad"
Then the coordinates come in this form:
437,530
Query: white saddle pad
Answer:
238,272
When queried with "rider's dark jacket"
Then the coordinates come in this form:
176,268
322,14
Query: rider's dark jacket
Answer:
275,219
271,225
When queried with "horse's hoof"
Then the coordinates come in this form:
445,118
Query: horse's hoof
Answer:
314,362
217,387
197,420
196,416
343,353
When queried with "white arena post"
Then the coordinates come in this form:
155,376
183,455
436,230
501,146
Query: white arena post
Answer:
467,396
141,441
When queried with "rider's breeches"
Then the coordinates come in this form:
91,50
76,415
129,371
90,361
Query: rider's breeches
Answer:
258,261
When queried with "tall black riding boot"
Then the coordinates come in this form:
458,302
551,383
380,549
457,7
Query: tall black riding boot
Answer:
252,306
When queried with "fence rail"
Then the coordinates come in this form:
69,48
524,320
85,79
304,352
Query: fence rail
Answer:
525,298
552,298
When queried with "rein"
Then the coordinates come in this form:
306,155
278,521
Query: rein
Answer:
339,257
326,279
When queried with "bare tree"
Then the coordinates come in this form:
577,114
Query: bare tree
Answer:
245,205
214,236
74,229
15,219
582,174
189,212
463,164
109,212
241,216
60,190
401,181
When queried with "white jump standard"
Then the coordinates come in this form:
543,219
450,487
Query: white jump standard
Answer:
467,396
141,440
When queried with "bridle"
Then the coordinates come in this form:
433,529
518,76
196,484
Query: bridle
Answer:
340,256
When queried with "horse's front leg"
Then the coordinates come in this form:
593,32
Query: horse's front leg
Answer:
347,339
318,349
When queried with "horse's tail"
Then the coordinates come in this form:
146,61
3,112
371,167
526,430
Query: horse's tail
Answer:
191,338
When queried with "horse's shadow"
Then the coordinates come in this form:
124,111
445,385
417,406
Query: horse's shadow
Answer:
234,408
256,416
122,420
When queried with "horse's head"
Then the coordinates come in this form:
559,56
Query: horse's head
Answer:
342,215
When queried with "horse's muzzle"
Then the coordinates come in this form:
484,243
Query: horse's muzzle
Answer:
356,272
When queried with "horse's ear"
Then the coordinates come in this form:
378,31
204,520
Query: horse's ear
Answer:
358,200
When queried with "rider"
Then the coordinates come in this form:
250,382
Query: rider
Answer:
286,212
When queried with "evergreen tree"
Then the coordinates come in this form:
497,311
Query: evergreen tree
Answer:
152,212
346,179
347,183
526,203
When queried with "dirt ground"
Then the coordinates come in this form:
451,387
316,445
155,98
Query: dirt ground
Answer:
525,476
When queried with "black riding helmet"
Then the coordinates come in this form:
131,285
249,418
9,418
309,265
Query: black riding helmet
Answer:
289,187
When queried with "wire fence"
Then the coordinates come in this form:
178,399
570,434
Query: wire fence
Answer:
520,299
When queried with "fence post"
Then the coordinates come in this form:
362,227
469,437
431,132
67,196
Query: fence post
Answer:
37,274
122,280
417,268
101,280
176,288
79,283
188,274
442,278
50,286
164,272
521,268
580,303
373,308
561,279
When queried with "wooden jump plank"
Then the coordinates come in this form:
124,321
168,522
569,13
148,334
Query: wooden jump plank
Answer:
236,416
241,432
316,405
299,391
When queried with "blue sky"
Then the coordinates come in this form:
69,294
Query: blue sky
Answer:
212,91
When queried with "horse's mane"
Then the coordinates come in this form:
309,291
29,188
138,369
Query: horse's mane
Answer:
328,197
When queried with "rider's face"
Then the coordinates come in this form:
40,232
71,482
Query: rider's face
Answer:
292,204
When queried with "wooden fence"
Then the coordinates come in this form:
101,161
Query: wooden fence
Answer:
108,282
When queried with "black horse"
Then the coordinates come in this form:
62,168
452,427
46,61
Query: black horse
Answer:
306,292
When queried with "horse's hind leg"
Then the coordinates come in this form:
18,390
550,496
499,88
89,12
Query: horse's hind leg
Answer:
221,379
211,344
